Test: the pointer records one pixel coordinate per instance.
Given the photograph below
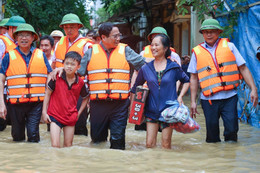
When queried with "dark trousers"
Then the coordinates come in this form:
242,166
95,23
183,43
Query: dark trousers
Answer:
4,123
25,115
227,110
111,115
81,125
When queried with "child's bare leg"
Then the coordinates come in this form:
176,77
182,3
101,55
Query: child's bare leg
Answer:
55,131
68,135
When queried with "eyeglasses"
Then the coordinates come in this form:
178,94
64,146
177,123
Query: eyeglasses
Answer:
116,36
24,35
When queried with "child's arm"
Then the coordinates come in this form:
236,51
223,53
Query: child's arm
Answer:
83,105
45,116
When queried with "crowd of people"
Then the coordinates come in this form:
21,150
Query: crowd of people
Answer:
71,76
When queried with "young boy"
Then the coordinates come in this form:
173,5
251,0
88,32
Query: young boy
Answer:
60,102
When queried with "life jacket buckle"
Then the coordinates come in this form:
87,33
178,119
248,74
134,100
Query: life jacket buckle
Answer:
208,68
109,80
27,85
223,83
220,74
220,65
109,70
28,75
108,91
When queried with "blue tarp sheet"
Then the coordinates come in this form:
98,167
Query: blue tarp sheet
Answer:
247,40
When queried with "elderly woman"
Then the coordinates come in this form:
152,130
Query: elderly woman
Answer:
161,75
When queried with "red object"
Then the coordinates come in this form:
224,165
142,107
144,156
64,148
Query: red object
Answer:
189,127
63,101
137,109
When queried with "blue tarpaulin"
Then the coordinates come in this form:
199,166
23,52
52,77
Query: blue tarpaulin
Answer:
247,40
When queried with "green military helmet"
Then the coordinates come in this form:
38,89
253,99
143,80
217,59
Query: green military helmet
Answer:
15,21
4,21
157,30
70,19
210,24
26,27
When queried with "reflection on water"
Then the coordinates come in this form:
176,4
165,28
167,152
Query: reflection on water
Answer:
189,153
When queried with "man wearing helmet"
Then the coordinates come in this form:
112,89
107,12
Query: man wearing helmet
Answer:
216,65
25,69
73,41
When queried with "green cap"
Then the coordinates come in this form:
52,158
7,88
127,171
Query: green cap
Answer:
15,21
26,27
4,21
70,19
157,30
210,24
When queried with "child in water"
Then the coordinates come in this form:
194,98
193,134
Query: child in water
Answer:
60,102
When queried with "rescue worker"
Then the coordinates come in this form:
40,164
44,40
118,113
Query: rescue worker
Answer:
73,41
7,43
108,65
3,28
216,65
25,69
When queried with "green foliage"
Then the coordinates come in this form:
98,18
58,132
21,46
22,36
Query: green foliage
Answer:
214,8
103,15
116,6
46,15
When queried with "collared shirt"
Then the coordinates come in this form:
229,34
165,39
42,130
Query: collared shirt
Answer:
83,92
134,59
193,69
27,58
86,47
3,47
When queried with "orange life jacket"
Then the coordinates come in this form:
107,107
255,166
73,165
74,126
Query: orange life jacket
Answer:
148,51
9,44
108,77
221,77
26,84
63,48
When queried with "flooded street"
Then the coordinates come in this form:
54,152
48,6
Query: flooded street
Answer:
189,153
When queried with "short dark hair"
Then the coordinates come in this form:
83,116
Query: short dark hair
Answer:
105,29
91,32
166,43
73,55
47,37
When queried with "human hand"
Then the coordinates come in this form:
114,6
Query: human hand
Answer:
193,109
179,99
46,118
254,97
56,71
3,111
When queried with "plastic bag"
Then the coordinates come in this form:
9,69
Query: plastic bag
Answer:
179,118
175,113
189,127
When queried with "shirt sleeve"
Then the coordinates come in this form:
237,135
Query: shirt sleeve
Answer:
176,57
2,50
84,62
139,80
193,64
239,59
183,77
5,64
51,85
84,91
49,69
134,58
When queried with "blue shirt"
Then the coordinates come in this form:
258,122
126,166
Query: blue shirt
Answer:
27,58
193,69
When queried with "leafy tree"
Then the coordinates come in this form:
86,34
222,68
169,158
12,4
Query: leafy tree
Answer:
214,8
46,15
